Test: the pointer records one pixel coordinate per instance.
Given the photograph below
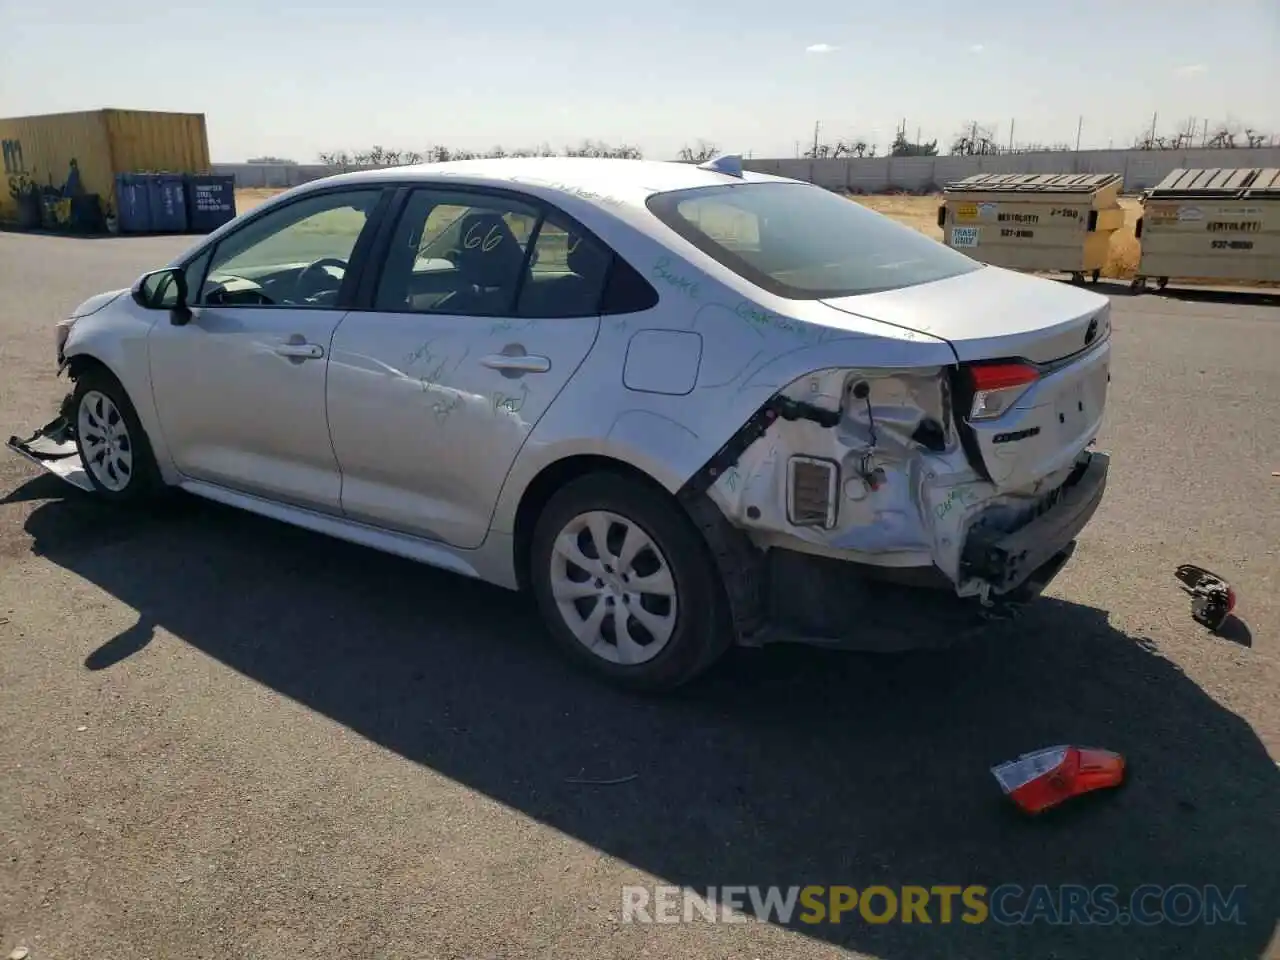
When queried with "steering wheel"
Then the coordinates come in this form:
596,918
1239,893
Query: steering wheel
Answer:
305,286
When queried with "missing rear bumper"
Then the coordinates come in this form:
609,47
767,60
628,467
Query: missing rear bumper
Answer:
828,602
1008,560
53,448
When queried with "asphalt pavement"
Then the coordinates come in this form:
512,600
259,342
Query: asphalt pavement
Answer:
221,736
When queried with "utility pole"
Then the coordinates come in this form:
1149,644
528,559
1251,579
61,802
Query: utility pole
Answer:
817,124
1011,123
1079,127
1204,137
1153,128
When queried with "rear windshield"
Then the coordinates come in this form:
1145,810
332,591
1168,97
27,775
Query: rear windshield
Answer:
802,242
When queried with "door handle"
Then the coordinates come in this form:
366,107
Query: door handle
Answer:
522,363
300,351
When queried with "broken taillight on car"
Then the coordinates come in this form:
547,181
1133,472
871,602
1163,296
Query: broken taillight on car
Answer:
997,386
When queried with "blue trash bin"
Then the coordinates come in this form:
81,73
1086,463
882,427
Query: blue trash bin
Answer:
211,201
133,200
168,202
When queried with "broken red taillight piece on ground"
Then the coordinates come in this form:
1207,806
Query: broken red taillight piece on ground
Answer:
1043,779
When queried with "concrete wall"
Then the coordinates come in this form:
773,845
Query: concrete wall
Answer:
1141,168
272,174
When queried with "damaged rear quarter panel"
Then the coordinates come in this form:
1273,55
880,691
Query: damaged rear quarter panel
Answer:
898,502
903,498
752,348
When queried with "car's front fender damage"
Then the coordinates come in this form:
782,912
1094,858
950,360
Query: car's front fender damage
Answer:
850,491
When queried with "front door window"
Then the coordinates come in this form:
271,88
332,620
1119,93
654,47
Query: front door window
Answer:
296,256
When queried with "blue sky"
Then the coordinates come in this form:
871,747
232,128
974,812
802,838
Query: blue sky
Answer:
294,80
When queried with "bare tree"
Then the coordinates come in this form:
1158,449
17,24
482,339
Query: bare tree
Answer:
701,153
1036,146
1151,141
902,147
543,150
1185,137
376,156
596,148
340,160
1225,135
841,148
975,139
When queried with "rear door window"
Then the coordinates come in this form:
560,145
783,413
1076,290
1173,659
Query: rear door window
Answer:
458,253
567,272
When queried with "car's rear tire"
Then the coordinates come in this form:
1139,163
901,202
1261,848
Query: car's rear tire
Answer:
646,608
112,444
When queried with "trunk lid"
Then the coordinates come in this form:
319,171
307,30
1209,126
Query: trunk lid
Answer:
993,314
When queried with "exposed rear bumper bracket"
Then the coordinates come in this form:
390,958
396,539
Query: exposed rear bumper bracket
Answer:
751,431
53,448
1008,560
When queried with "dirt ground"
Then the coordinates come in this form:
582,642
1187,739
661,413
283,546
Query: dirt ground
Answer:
251,197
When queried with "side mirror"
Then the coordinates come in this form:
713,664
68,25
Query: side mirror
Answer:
164,290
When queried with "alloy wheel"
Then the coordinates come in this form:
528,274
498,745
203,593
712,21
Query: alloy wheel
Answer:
104,437
613,587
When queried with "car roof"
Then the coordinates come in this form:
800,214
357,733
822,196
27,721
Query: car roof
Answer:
598,179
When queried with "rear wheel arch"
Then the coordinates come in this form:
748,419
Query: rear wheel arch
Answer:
552,478
692,597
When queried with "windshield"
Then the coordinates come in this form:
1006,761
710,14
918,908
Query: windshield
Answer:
803,242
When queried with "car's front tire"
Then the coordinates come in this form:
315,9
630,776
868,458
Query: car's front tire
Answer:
626,584
109,436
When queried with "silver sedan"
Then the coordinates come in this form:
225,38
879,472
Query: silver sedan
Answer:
684,406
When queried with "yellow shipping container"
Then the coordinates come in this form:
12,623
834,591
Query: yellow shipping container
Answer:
98,144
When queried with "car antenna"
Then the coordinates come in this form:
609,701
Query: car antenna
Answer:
730,164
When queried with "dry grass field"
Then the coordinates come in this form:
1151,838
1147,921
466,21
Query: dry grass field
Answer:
918,212
249,198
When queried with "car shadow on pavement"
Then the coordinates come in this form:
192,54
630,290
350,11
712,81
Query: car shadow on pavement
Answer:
786,766
1257,297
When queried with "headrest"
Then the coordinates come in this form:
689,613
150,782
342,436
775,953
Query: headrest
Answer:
585,258
488,253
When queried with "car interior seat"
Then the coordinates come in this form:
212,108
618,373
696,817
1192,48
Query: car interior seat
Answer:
489,260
